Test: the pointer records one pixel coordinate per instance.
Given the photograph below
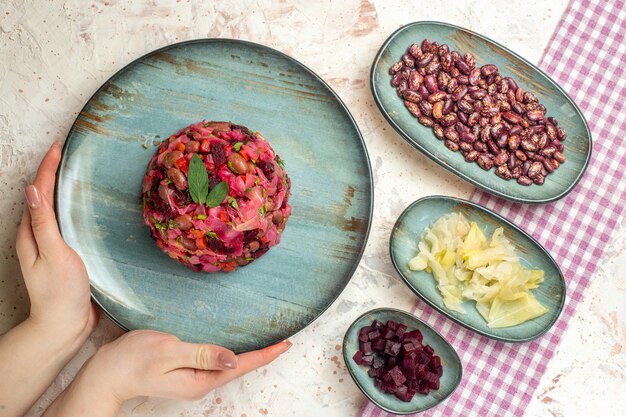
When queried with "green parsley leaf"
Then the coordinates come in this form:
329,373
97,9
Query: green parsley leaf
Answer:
237,146
201,217
280,161
198,179
217,194
263,210
211,234
233,203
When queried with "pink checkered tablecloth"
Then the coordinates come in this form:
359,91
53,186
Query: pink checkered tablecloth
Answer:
587,57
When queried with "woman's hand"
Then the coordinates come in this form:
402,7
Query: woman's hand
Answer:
149,363
54,274
61,315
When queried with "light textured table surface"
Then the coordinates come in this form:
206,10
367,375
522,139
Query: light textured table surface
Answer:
55,54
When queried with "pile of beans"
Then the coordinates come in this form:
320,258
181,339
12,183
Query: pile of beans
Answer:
488,118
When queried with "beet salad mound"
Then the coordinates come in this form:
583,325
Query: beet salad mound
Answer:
215,196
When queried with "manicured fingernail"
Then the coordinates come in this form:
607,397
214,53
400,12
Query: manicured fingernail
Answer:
32,197
285,346
227,360
56,143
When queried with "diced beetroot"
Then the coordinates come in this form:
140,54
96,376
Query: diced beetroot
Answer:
399,361
397,376
405,394
410,369
392,348
423,357
373,335
392,324
400,330
407,347
388,333
366,348
435,363
391,387
379,344
365,330
422,388
414,336
378,362
367,360
431,379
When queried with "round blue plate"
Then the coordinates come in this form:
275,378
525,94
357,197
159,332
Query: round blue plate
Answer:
105,157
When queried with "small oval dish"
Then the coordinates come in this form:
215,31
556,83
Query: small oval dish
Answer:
423,213
452,369
560,106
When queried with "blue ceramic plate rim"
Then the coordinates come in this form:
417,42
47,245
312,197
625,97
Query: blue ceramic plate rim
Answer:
416,142
347,357
443,311
282,55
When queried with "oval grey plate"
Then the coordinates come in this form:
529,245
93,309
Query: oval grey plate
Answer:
452,369
560,105
421,214
99,187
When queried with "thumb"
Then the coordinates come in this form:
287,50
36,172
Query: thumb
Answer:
43,221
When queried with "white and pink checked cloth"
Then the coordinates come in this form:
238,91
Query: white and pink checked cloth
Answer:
587,57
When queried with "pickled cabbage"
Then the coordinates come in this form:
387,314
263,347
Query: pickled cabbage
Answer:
469,266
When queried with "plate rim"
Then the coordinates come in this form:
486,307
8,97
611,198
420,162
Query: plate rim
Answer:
347,357
443,311
290,59
417,143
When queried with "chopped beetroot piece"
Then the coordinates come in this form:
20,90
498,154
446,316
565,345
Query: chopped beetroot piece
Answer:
431,379
398,360
392,324
388,333
435,363
407,347
378,362
423,357
379,344
405,394
397,376
400,330
366,348
365,330
410,369
373,335
414,336
219,157
422,388
390,387
392,348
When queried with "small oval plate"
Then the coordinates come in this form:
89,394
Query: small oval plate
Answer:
559,104
423,213
452,369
